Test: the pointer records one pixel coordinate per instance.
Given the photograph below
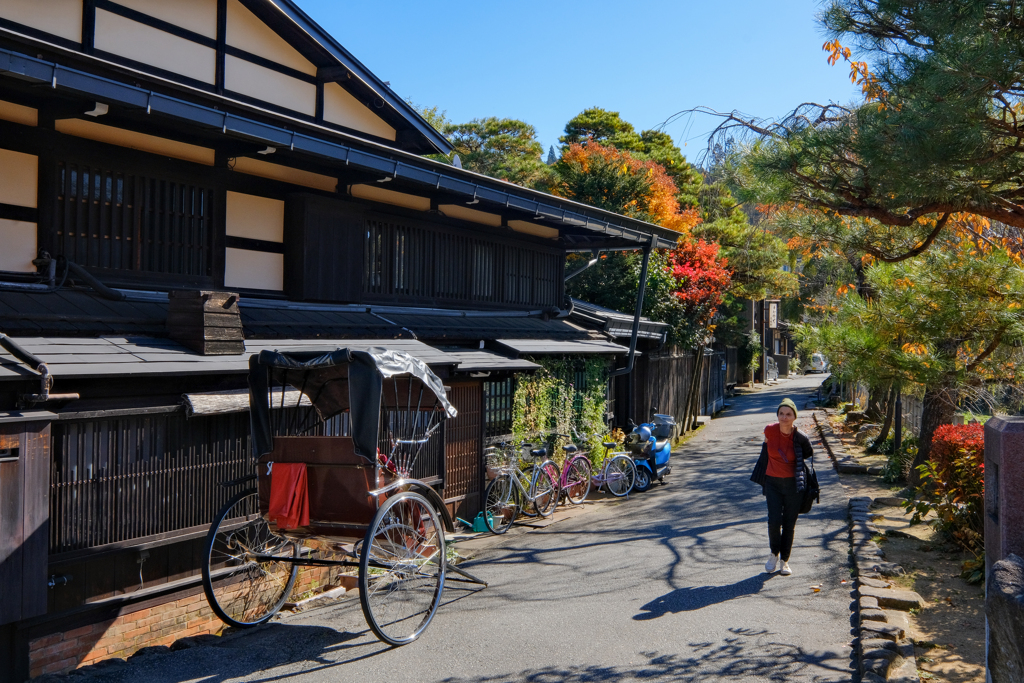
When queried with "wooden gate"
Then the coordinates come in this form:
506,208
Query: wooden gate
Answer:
463,450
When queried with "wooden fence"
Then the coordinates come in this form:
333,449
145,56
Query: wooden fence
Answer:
663,380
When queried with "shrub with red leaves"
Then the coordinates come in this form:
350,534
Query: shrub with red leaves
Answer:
953,485
949,440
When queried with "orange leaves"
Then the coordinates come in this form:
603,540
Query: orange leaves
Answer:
659,202
904,283
843,289
836,50
915,349
860,74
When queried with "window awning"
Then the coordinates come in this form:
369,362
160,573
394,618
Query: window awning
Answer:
474,360
549,347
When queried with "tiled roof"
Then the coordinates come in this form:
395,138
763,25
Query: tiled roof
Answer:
139,356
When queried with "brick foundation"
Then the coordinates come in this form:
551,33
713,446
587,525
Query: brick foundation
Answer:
123,636
182,616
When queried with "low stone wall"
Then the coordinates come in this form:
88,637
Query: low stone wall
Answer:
1004,609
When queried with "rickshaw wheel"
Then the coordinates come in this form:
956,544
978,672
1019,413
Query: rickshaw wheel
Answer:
248,591
402,568
502,504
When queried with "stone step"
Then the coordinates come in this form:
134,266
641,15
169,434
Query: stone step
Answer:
878,629
895,599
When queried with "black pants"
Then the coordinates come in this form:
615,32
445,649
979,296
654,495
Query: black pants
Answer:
783,507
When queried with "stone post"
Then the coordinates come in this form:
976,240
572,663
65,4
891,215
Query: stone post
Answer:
1004,536
1004,489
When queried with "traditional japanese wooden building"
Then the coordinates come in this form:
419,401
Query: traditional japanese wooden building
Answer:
183,184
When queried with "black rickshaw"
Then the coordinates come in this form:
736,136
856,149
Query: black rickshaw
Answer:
343,432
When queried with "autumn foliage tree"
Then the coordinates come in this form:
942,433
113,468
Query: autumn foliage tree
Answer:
948,320
613,179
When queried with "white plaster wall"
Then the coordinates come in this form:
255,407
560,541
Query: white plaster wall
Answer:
133,140
253,269
286,174
60,17
18,240
342,108
246,32
198,16
142,43
257,218
19,179
270,86
27,116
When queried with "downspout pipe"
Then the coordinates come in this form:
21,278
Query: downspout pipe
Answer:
636,315
39,366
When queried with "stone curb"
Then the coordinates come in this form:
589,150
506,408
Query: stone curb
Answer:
885,652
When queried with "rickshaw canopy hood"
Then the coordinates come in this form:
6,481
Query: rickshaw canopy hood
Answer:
344,379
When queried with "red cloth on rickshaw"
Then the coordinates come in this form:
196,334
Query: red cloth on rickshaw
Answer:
289,495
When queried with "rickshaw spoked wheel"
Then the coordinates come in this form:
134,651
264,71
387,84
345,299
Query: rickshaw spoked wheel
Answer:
247,591
402,568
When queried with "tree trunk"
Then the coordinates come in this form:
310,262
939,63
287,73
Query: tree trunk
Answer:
873,411
890,413
939,406
692,390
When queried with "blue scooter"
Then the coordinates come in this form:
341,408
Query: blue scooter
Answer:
650,445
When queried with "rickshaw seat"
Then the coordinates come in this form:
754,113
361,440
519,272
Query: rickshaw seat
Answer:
338,482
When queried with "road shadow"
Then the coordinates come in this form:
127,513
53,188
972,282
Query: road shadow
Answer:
747,654
693,598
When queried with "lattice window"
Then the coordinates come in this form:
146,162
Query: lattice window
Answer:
430,264
129,222
498,403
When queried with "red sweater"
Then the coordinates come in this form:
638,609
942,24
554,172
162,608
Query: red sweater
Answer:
781,455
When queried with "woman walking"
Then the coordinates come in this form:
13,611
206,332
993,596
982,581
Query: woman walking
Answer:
780,472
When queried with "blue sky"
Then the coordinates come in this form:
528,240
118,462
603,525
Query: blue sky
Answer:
545,61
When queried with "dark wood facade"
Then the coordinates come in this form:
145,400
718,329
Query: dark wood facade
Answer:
158,171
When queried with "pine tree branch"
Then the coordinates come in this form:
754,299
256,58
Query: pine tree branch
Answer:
996,341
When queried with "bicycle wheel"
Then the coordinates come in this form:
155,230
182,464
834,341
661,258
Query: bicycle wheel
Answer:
619,475
502,504
556,475
241,555
577,480
543,492
402,568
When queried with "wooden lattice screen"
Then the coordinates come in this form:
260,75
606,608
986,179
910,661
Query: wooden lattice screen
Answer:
427,264
464,452
130,222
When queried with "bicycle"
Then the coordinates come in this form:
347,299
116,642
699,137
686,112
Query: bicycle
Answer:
618,474
574,477
504,496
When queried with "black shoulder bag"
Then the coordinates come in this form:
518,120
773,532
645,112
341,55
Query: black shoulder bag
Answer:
812,493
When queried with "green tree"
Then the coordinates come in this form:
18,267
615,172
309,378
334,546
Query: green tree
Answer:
501,148
760,260
601,126
939,132
947,320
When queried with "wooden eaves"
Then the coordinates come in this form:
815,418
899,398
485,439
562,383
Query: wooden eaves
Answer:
214,119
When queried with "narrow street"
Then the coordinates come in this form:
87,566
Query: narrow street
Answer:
665,586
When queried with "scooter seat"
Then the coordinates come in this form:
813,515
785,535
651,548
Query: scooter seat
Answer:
660,444
539,452
569,448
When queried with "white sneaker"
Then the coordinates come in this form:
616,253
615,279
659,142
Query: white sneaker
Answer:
785,571
771,564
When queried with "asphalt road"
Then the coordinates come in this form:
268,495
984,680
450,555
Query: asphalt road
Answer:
665,586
